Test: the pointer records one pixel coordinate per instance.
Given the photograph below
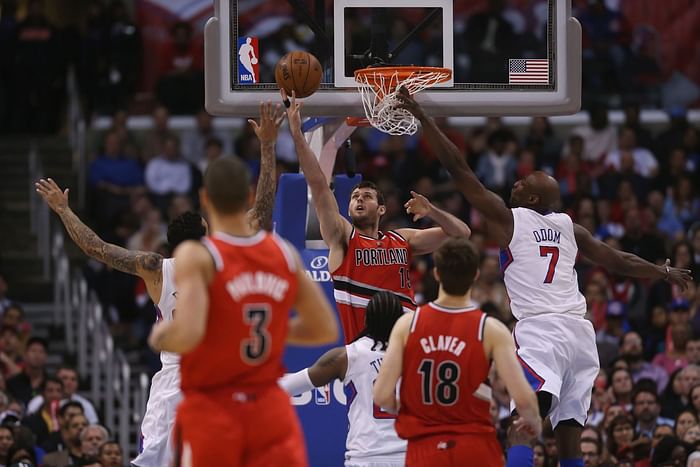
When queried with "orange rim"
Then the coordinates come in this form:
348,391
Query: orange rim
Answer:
403,72
357,121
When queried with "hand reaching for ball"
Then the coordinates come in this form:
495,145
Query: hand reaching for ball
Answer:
293,111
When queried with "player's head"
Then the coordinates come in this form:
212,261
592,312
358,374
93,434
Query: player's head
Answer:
187,226
456,266
366,205
227,189
383,309
538,191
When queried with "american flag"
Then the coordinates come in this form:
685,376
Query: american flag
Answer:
528,71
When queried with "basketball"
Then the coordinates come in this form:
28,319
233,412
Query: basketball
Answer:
300,72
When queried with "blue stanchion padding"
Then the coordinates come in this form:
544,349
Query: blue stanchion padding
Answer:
289,215
322,412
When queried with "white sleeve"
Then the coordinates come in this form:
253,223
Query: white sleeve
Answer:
296,383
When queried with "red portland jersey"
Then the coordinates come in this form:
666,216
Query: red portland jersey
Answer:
443,365
371,265
253,289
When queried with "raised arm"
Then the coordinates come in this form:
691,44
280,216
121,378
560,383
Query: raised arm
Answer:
260,217
194,269
499,346
335,229
146,265
627,264
424,241
488,203
332,365
314,323
384,392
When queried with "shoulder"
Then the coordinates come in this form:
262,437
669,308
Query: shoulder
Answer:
195,254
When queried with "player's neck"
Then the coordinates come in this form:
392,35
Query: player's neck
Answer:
453,301
233,224
369,231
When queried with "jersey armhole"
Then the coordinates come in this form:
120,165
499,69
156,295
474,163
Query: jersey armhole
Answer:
482,325
414,321
350,357
214,252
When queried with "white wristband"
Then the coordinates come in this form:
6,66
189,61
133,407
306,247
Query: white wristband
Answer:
296,383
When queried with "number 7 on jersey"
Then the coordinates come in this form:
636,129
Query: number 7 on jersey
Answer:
546,251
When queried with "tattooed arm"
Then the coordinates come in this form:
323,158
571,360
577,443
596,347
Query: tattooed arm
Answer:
260,217
146,265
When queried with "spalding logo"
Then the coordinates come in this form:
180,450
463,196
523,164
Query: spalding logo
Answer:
319,262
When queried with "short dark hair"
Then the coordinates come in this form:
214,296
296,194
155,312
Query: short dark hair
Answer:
186,226
598,446
641,390
11,329
64,408
110,442
372,186
227,184
38,340
214,142
383,309
457,262
65,366
50,379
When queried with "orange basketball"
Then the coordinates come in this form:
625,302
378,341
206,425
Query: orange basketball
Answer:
300,72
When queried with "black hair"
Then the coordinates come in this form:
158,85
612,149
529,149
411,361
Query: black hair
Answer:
186,226
38,340
51,379
371,186
227,185
383,309
64,408
214,142
109,442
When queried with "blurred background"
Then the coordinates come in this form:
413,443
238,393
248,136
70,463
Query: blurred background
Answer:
92,92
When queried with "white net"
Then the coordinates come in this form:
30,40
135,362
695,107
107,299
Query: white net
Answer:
379,89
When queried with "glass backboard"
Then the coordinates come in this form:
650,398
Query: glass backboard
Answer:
517,57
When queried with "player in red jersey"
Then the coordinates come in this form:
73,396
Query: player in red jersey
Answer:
362,259
235,290
442,352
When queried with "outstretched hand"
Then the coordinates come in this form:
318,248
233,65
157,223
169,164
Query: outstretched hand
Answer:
677,276
409,103
293,110
270,121
418,205
52,194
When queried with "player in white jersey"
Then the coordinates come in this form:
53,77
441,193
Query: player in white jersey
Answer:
157,273
372,440
555,344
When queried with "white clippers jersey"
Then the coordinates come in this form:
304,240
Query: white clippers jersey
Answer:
166,305
538,265
371,433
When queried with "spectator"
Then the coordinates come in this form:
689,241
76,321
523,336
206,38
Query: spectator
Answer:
111,455
168,173
599,138
154,140
179,205
213,149
539,455
7,439
633,122
4,301
681,209
692,434
10,357
497,168
572,172
684,420
631,350
591,451
151,234
621,386
58,440
545,144
675,166
46,421
674,357
74,454
489,40
489,287
692,351
27,384
647,411
195,142
674,396
694,399
181,86
71,381
645,164
14,317
670,451
620,437
673,136
92,438
637,240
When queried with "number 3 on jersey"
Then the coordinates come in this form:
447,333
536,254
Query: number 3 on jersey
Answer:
255,349
546,251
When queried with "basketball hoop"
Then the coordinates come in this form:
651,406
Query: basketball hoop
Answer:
357,121
378,87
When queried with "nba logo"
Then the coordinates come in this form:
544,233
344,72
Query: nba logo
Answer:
323,395
248,66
